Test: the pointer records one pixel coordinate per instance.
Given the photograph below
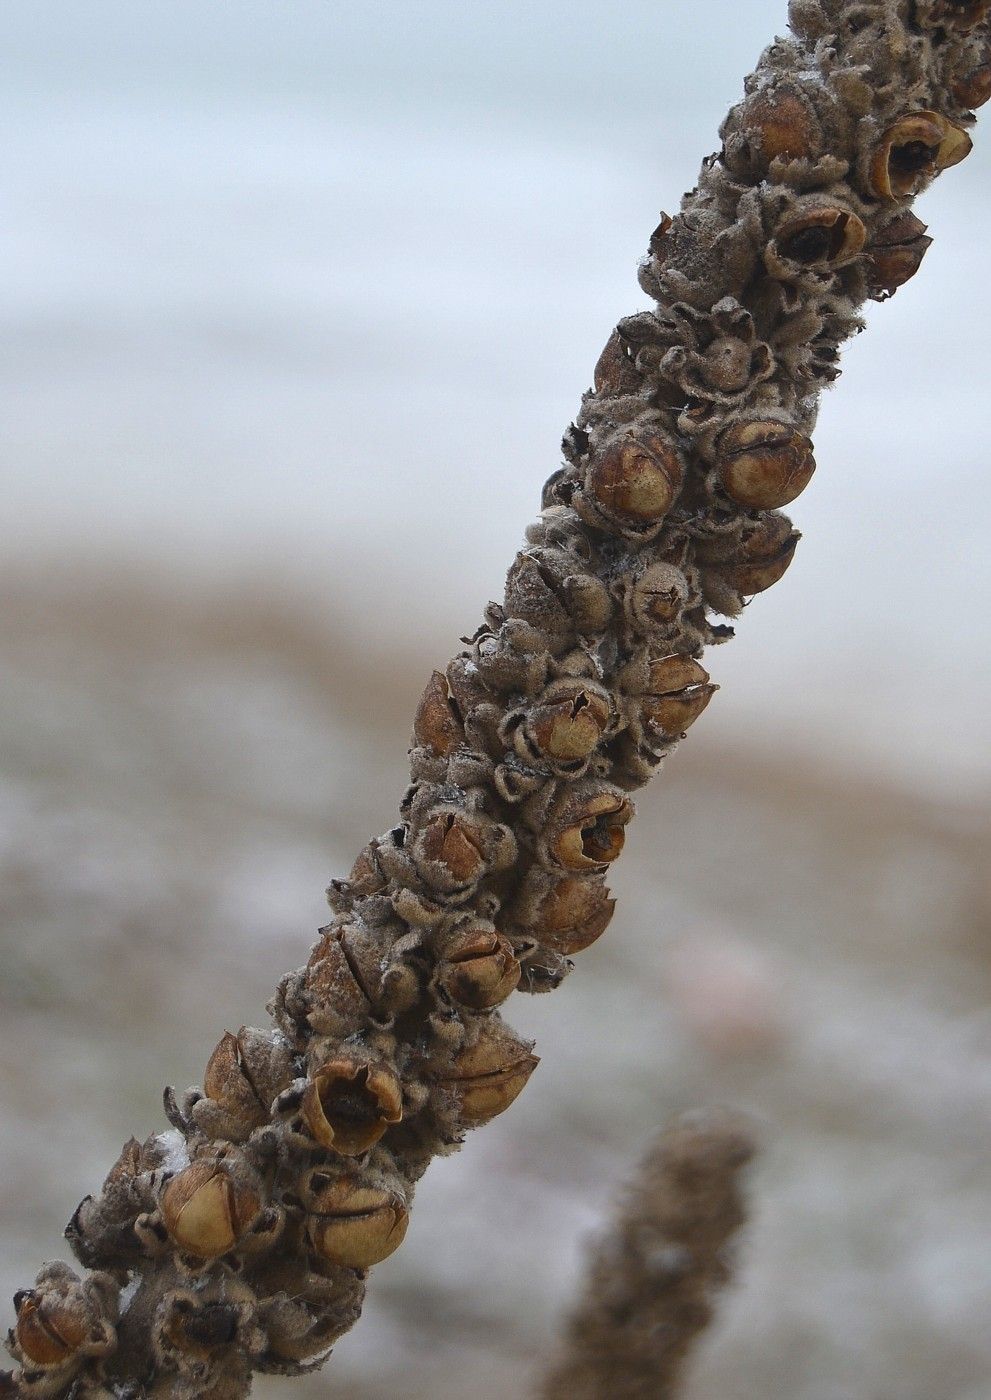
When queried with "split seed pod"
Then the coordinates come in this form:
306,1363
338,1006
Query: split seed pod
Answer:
206,1211
761,558
571,915
353,1225
588,827
895,255
479,969
347,1105
564,728
657,597
437,726
450,847
971,86
615,371
817,239
489,1074
49,1330
914,151
678,690
764,464
631,484
245,1073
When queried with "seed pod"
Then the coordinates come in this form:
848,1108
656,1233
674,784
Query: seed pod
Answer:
657,597
354,1225
205,1211
954,14
819,238
489,1074
764,464
970,86
245,1073
615,372
678,690
49,1328
437,726
914,151
564,728
780,121
587,829
895,255
479,969
366,877
572,914
762,557
348,1105
631,484
127,1165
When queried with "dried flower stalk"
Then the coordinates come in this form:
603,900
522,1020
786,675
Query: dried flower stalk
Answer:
239,1241
651,1280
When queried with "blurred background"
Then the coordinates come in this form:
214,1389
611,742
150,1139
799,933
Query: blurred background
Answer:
298,298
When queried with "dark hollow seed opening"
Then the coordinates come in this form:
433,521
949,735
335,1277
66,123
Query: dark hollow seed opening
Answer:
347,1104
912,158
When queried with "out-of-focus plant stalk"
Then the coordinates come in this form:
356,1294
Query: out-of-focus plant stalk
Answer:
239,1239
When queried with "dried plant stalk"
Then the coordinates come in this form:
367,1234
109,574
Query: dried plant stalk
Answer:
239,1240
652,1278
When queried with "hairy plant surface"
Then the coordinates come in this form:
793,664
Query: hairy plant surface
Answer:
239,1240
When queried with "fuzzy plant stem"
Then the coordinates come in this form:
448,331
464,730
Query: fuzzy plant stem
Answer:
652,1278
239,1240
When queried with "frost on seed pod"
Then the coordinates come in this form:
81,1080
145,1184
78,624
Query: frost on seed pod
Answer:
347,1105
63,1321
488,1074
677,692
894,256
478,968
563,728
656,598
631,483
243,1075
758,560
351,1223
763,464
819,237
210,1205
566,914
586,828
913,152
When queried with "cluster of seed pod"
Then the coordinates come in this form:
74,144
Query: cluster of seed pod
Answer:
239,1240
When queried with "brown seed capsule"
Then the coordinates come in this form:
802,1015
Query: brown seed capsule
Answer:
568,723
347,1105
588,830
227,1082
479,969
678,691
490,1074
436,726
781,123
615,372
895,255
49,1328
205,1211
658,597
354,1225
762,558
573,914
453,841
634,482
971,87
764,464
958,14
824,237
366,877
914,151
